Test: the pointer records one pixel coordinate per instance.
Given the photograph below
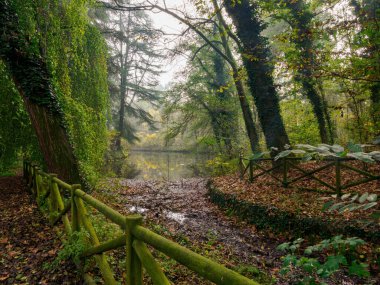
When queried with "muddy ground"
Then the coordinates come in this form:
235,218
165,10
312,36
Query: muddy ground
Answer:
183,207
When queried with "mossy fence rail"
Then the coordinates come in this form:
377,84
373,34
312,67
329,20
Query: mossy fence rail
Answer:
74,216
283,166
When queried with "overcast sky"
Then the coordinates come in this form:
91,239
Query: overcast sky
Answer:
171,26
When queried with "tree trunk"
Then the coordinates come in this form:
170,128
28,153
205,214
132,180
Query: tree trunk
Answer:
241,91
226,117
123,82
33,81
255,54
329,123
300,21
317,104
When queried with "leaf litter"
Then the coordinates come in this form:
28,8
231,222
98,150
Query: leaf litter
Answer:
27,242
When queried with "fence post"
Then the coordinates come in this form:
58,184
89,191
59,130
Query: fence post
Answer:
285,173
338,185
241,166
74,209
27,175
250,170
134,269
34,181
39,186
54,191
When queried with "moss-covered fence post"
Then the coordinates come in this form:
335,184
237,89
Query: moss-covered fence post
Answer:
74,209
34,181
134,269
39,187
61,206
101,260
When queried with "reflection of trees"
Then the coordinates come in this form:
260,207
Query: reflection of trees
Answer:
122,168
157,165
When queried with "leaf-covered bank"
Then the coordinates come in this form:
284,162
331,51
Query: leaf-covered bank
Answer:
27,242
297,223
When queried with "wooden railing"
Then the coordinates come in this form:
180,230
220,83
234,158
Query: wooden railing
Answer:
280,171
68,204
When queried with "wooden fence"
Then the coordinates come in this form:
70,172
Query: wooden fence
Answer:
68,204
280,171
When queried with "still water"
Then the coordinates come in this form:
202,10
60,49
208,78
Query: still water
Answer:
166,165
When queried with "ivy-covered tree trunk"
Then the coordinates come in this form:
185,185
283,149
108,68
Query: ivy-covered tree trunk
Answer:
256,58
240,89
33,81
300,21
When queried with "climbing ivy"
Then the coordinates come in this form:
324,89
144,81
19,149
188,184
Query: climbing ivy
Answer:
16,136
74,52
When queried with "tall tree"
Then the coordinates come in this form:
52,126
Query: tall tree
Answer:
33,81
224,118
208,90
225,53
58,63
301,57
133,67
257,61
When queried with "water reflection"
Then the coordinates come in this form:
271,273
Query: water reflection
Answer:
166,165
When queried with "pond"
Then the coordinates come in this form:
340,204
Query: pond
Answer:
171,166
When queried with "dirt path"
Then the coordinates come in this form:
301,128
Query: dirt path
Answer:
184,205
184,208
27,242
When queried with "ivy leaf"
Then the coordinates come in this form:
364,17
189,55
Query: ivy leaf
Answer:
257,155
354,197
290,260
283,154
361,156
310,265
354,147
345,196
369,205
372,198
349,207
363,198
309,250
332,264
327,205
337,148
284,246
358,269
336,206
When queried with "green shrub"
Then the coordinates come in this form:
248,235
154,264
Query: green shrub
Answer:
340,253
